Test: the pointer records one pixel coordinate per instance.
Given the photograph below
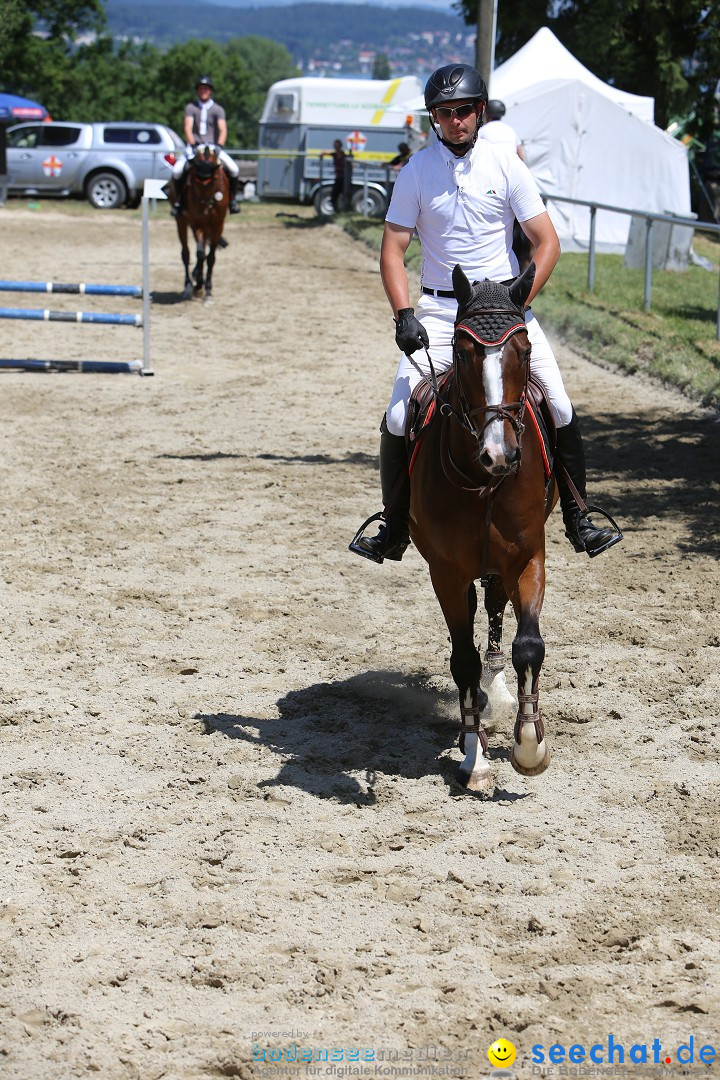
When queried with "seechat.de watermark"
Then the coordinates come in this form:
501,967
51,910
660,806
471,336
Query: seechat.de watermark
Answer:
610,1051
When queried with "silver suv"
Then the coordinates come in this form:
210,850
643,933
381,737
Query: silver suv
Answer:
107,163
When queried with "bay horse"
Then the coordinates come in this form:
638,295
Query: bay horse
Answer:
480,496
205,205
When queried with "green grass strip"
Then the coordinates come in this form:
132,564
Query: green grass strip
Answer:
674,343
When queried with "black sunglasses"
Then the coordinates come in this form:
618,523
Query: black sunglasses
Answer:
444,112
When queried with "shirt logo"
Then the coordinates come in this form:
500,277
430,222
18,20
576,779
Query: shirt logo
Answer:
491,191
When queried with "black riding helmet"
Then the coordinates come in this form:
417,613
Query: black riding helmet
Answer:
204,80
495,110
452,83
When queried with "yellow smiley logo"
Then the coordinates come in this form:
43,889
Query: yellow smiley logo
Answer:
501,1053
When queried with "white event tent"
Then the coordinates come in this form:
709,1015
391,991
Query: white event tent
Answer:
544,57
586,140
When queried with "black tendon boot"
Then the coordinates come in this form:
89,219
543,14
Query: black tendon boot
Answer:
580,530
234,181
393,536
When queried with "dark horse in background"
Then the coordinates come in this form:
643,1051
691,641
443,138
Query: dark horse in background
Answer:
205,204
481,491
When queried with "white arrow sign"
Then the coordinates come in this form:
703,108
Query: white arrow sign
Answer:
155,189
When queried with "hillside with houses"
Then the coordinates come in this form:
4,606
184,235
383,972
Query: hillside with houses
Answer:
322,39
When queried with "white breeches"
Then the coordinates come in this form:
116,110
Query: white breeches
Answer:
437,314
231,167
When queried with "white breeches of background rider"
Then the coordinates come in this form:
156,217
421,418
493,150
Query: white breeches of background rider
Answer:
437,314
231,167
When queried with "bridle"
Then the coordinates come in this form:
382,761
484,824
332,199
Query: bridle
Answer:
513,412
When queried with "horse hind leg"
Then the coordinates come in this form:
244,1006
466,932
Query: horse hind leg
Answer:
501,703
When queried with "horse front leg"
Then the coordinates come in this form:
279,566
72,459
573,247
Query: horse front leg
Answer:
530,754
501,703
458,601
208,273
183,234
199,271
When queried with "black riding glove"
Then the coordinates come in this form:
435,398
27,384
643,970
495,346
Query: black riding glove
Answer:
410,334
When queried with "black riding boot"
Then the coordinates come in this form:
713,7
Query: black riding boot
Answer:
393,537
179,186
234,181
580,530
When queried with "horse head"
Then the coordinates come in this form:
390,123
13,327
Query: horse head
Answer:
491,354
206,160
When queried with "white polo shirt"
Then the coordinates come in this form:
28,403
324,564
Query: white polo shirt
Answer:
463,210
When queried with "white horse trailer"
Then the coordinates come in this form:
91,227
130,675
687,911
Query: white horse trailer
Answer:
303,117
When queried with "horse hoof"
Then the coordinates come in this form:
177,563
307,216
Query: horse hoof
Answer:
532,770
482,783
187,293
208,300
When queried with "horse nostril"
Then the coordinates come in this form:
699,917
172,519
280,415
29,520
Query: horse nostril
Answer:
486,459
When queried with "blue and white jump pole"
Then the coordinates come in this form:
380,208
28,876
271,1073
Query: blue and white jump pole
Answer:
44,315
154,189
81,289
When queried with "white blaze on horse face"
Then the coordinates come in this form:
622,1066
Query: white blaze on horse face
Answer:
494,439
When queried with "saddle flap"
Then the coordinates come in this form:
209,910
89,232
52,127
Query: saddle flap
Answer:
540,417
421,407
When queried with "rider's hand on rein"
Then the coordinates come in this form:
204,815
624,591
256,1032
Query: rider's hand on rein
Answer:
410,334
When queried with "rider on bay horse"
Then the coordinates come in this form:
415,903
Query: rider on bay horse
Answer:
461,195
204,123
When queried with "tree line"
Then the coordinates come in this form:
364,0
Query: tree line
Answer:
108,80
659,48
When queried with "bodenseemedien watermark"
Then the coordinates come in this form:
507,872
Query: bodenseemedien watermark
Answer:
338,1062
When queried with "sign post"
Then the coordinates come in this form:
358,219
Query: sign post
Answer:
153,189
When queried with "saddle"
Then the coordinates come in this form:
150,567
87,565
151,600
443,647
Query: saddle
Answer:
422,411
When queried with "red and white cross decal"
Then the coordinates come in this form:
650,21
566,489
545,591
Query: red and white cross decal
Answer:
52,166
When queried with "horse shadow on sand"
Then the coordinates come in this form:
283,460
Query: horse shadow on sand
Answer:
334,738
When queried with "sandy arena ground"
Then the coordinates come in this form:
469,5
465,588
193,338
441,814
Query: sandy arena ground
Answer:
228,745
